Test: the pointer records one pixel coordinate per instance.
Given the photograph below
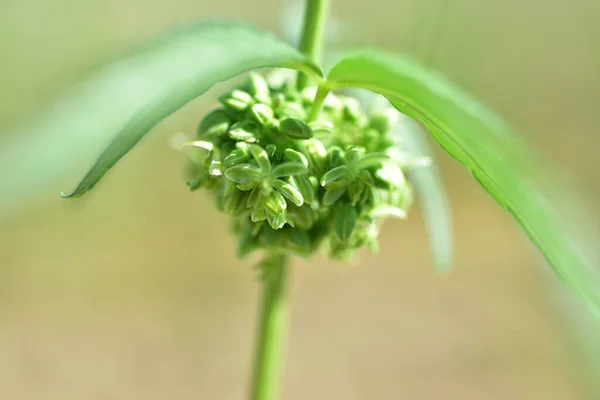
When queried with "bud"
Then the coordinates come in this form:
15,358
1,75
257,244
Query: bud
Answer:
271,149
276,221
353,154
231,202
237,156
258,215
244,131
335,156
383,121
295,128
216,123
355,192
352,111
291,110
262,114
257,87
275,203
236,100
304,217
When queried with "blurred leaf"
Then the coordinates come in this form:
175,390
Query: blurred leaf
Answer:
432,194
131,95
486,145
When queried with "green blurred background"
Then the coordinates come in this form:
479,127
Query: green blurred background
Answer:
135,292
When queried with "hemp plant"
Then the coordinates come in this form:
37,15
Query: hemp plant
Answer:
301,167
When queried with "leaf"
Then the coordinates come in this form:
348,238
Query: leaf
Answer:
133,94
432,194
243,173
487,146
345,220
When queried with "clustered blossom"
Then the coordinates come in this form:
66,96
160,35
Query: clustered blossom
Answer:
294,185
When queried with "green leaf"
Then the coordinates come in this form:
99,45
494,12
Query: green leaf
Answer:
130,96
431,193
487,146
295,129
261,157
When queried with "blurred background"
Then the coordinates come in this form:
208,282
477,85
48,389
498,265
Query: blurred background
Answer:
135,291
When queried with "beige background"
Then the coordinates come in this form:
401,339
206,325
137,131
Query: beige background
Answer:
134,293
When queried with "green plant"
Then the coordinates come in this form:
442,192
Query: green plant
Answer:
302,167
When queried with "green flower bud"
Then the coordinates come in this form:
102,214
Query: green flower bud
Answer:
258,215
345,220
236,100
290,192
291,110
262,114
353,154
278,100
352,111
275,203
243,173
261,157
335,157
257,87
237,156
288,169
244,131
295,156
383,121
295,128
277,221
215,123
271,149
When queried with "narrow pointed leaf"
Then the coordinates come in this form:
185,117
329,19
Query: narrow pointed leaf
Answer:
128,97
487,146
431,193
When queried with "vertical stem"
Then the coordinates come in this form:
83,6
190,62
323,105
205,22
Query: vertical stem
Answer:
270,344
313,32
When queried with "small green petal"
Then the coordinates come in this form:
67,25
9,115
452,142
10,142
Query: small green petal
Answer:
244,131
277,221
262,114
333,195
345,220
305,187
275,203
258,215
237,156
295,156
243,173
335,156
291,110
258,88
270,149
288,169
261,157
254,197
232,202
372,160
342,172
355,191
295,129
353,154
290,192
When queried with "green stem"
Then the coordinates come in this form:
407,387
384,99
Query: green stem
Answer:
313,33
271,336
318,102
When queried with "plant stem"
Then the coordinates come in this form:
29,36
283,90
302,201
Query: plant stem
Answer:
313,32
318,102
272,331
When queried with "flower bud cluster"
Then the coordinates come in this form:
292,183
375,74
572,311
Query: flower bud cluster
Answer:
294,185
